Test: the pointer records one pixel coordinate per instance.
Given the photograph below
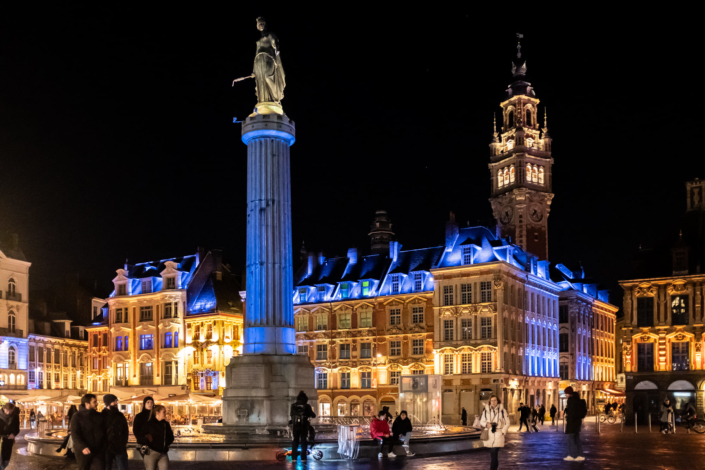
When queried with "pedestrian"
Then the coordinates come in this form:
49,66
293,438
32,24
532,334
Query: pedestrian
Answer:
523,416
464,417
534,419
157,436
388,414
402,429
666,416
142,417
117,432
542,413
32,419
553,412
40,416
379,430
301,412
65,443
9,429
494,418
688,414
88,434
575,412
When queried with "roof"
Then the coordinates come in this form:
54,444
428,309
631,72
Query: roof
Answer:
155,268
423,259
335,270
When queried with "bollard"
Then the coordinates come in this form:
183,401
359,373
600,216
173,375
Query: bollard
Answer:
673,417
649,423
635,429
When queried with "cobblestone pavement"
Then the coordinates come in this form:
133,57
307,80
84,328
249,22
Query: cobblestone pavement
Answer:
543,450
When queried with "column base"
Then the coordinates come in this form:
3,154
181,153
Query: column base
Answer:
269,340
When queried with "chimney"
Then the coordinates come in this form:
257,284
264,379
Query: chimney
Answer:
311,263
451,232
218,264
321,258
394,248
352,255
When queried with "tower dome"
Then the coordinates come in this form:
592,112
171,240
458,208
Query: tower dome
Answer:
381,234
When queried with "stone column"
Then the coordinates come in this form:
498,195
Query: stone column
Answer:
269,323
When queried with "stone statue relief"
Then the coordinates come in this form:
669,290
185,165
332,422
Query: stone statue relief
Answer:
268,71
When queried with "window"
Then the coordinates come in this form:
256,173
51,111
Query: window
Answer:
486,327
118,343
417,315
417,372
365,350
418,282
95,363
321,352
563,338
105,340
11,357
167,340
448,364
466,293
417,347
11,322
500,183
146,313
345,380
322,380
344,321
563,314
365,288
395,283
467,250
395,316
564,371
145,342
127,343
303,294
209,331
447,295
176,339
344,290
301,323
486,362
171,282
146,375
32,376
209,356
534,175
32,356
395,348
169,373
366,379
345,351
467,363
118,315
510,119
645,311
11,287
540,175
679,310
448,330
57,356
645,359
466,328
321,293
528,118
680,357
394,377
146,286
167,310
73,359
302,349
322,322
121,289
365,318
486,291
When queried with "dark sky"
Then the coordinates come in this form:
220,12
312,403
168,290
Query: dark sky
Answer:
117,141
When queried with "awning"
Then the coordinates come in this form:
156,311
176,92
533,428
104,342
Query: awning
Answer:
614,393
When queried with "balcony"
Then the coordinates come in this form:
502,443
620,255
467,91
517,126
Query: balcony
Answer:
17,297
146,380
14,333
12,366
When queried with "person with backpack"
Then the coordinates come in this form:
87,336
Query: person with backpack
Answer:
117,432
553,412
379,430
496,423
575,412
300,413
9,429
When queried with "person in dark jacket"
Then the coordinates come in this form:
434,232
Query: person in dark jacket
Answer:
9,429
64,445
117,431
142,417
534,419
387,414
464,417
575,411
300,413
524,413
542,414
553,412
402,429
158,436
88,434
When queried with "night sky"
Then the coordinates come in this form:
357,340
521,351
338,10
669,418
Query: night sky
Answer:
117,141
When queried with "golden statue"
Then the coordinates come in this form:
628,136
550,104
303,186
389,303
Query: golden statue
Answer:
267,72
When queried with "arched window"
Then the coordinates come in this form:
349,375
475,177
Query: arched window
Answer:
510,119
511,174
500,179
535,175
11,287
528,118
528,172
11,322
506,176
540,175
11,356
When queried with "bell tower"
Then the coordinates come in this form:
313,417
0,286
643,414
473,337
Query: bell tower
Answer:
520,166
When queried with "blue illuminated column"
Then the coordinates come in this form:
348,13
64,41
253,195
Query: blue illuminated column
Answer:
269,322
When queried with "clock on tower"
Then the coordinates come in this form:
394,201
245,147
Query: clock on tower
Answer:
520,167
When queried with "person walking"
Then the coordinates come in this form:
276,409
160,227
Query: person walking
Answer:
534,420
523,416
142,417
553,412
9,429
464,417
32,419
88,434
65,444
494,418
666,416
379,430
402,429
117,432
300,414
157,435
575,412
542,414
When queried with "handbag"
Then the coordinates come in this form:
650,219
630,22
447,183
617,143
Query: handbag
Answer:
485,436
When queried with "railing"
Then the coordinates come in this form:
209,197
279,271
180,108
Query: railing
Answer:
13,296
12,365
15,333
121,382
343,420
146,380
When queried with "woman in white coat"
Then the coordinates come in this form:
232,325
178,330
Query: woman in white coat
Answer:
494,413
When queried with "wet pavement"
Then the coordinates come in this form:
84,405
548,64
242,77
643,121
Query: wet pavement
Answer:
543,450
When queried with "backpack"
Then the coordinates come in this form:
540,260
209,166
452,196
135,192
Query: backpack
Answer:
298,414
582,409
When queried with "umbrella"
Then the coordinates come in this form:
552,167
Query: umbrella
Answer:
191,399
65,399
37,399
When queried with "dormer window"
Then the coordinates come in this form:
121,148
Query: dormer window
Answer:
395,283
146,286
366,288
321,293
344,290
467,255
122,289
303,294
170,283
418,282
